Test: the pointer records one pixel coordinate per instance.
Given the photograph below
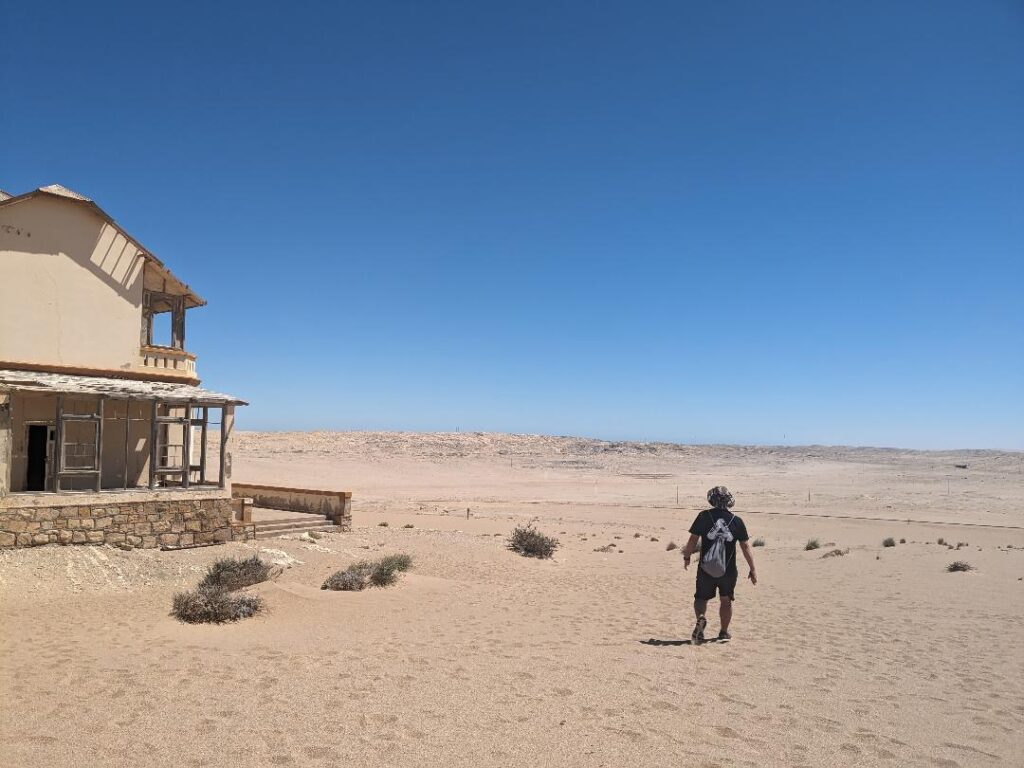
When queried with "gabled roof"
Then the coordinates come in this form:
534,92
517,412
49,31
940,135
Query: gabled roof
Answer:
192,299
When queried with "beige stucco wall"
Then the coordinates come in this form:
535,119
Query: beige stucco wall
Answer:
71,292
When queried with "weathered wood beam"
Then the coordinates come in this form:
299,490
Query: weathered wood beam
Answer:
58,458
186,445
127,437
99,444
153,425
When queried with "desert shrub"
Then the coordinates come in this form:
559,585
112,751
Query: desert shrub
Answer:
352,579
382,524
366,573
959,565
670,546
941,541
230,574
385,571
903,541
654,538
605,548
758,543
408,525
529,542
213,605
889,542
812,544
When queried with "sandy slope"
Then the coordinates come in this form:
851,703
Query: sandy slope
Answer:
479,657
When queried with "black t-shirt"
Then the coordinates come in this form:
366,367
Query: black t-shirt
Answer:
722,520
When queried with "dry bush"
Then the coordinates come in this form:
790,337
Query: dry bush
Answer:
670,546
605,548
529,542
408,525
352,579
384,572
903,541
230,574
758,543
889,542
383,524
941,541
368,573
213,605
812,544
959,565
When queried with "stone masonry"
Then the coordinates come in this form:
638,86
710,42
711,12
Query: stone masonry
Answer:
134,524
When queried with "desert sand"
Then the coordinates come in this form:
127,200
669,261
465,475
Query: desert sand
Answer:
479,657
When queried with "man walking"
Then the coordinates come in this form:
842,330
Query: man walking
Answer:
717,530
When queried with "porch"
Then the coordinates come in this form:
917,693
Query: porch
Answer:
62,434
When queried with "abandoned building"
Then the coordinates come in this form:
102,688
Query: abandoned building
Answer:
105,434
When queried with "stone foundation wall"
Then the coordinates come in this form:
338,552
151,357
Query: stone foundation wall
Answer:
126,524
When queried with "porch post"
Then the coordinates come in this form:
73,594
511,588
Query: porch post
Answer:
227,423
99,446
127,437
152,446
58,448
186,445
6,439
202,446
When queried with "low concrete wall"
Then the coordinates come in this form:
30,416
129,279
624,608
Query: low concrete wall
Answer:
337,505
152,523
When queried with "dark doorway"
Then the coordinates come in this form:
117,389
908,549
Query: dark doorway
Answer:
36,457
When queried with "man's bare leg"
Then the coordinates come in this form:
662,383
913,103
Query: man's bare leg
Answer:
700,607
725,612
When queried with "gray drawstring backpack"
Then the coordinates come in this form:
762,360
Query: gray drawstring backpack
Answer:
714,561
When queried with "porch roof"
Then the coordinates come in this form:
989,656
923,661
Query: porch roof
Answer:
59,383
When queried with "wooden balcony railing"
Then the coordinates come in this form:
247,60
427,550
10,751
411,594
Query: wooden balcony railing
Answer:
167,361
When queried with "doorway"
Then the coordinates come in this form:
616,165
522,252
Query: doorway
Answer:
37,440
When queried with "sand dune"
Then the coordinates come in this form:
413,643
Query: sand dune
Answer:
479,657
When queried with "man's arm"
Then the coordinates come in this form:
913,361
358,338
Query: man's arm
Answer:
749,555
689,549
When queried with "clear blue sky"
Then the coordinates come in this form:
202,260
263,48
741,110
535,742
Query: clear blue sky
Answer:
759,222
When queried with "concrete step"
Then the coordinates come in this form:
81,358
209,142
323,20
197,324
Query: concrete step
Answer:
265,534
291,522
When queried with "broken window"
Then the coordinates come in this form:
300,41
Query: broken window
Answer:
79,436
181,450
163,320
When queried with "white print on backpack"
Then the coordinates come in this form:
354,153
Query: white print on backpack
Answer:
714,561
721,529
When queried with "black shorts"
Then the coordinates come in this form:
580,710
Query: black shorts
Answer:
708,585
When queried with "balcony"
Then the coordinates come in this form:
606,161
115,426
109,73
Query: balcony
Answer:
167,361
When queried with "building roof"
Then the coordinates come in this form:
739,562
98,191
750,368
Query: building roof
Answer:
59,383
192,299
59,189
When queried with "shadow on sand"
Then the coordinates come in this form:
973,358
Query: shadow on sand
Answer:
655,641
